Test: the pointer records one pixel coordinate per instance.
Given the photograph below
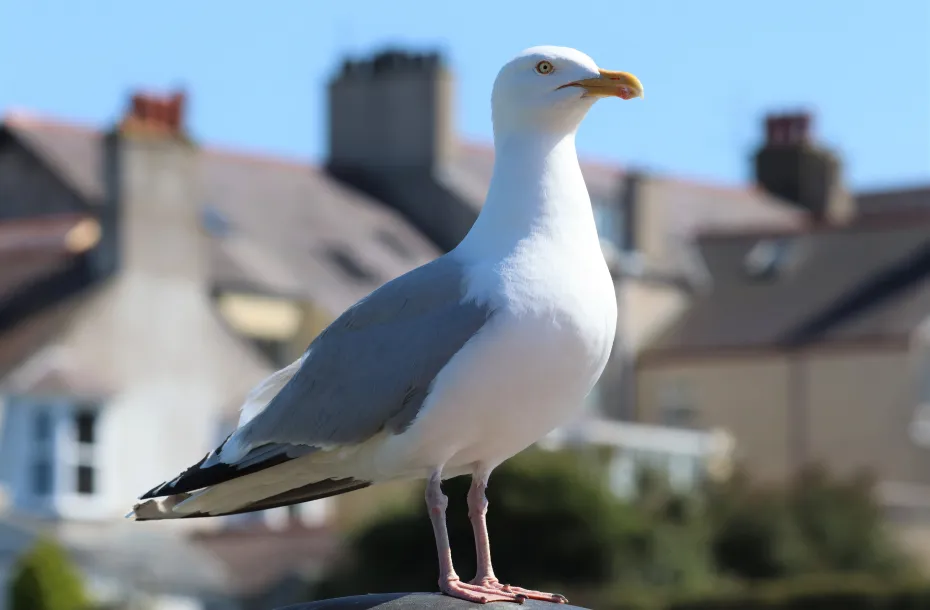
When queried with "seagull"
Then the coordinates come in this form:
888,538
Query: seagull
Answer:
455,366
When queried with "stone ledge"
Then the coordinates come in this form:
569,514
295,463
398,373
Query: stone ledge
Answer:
419,601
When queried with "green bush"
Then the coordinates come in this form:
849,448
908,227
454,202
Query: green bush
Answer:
837,592
816,524
44,579
553,524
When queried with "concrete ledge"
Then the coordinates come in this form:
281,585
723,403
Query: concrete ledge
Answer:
419,601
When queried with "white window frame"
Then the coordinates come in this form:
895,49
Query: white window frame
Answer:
677,397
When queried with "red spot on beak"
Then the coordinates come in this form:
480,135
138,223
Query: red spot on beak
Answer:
625,92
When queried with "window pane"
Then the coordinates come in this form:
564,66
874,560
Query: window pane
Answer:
42,426
42,478
86,423
609,222
85,479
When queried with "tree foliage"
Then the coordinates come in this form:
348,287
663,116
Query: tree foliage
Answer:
44,578
554,525
816,524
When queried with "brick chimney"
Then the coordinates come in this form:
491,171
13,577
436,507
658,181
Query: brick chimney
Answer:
792,166
390,131
155,115
390,111
154,191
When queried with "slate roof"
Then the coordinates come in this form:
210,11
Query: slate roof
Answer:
295,229
865,281
288,228
911,201
692,206
31,252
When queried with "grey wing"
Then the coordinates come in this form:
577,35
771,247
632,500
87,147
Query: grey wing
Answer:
372,368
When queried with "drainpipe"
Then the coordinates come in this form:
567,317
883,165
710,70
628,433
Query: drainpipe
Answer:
798,412
628,411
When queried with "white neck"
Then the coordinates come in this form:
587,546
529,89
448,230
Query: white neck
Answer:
536,190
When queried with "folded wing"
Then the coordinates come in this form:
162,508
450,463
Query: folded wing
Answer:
369,371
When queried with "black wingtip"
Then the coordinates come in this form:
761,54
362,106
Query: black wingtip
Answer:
198,477
307,493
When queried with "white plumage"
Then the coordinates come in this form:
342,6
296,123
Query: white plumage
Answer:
458,365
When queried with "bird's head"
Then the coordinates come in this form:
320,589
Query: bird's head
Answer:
552,88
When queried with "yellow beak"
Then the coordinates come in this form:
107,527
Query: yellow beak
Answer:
610,84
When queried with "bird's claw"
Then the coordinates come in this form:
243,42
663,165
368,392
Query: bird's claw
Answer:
495,585
478,593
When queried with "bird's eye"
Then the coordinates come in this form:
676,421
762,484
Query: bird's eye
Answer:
544,67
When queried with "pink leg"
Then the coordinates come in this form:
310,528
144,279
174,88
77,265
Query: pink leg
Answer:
477,512
449,582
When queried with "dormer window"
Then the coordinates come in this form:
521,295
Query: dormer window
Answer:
768,258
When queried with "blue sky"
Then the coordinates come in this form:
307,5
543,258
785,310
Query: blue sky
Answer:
711,69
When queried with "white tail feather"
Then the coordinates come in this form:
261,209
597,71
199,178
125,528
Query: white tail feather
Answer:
238,493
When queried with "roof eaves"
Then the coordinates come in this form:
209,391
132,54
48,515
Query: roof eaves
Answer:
877,289
89,200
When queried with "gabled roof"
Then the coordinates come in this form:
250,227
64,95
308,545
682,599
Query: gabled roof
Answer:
910,201
33,252
469,174
71,149
782,289
693,206
295,230
686,208
287,227
279,226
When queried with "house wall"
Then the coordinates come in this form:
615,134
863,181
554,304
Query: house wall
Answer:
748,398
861,408
846,409
148,343
648,308
643,309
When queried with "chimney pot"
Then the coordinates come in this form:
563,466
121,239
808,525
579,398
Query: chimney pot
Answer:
791,166
788,129
155,114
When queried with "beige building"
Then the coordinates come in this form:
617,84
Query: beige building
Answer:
822,361
810,345
155,278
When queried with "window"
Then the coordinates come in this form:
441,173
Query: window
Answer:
41,473
609,222
277,352
215,222
351,266
593,402
43,426
677,405
60,469
920,421
395,243
769,258
85,433
85,422
41,477
85,479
